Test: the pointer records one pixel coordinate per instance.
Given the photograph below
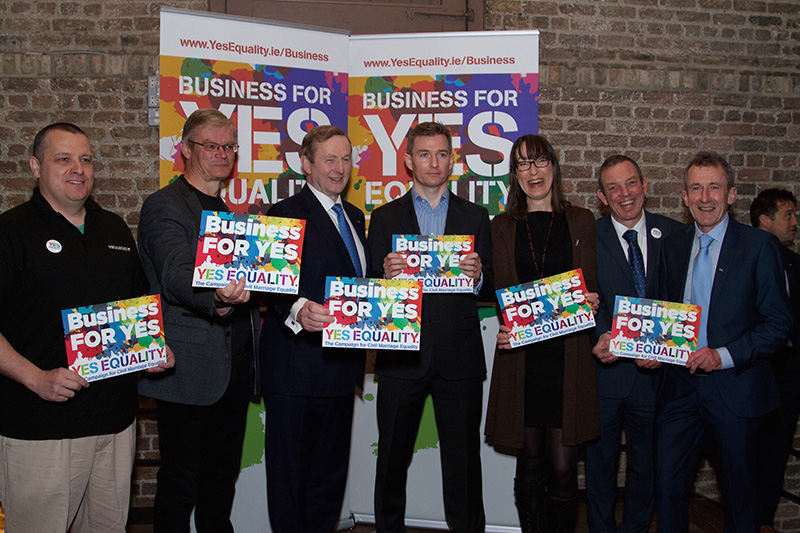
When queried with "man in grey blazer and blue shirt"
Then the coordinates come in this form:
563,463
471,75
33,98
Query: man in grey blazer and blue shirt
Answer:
628,248
202,403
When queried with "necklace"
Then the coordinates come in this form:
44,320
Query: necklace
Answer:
539,271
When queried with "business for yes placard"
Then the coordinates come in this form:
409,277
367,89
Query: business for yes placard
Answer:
546,308
266,251
654,329
435,259
373,313
114,338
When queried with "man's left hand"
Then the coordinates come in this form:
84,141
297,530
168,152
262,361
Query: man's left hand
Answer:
471,265
594,300
706,359
164,365
235,293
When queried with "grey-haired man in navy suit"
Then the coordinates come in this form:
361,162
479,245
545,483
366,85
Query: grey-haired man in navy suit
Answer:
735,272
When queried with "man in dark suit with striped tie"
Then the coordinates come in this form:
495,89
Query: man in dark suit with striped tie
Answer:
628,249
309,390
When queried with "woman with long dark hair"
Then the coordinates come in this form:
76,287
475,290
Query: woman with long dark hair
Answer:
543,396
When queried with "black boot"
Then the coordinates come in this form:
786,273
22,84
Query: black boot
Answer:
529,500
562,514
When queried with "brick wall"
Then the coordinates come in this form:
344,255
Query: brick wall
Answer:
655,79
83,62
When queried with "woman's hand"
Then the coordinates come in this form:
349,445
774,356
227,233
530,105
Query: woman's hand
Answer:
504,338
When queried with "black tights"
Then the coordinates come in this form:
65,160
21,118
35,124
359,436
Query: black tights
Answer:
544,458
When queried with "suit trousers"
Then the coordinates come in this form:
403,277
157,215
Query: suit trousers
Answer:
81,485
201,452
307,450
775,443
457,406
692,412
636,413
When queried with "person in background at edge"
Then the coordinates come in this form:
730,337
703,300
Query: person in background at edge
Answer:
775,211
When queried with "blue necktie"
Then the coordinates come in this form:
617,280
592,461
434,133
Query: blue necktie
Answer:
347,237
702,279
635,261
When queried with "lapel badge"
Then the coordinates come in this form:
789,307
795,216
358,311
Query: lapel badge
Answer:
53,246
655,232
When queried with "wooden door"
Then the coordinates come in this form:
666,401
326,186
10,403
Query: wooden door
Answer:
363,16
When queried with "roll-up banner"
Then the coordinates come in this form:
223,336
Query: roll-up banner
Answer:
275,81
485,85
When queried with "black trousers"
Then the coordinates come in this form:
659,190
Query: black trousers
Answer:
457,407
201,452
307,450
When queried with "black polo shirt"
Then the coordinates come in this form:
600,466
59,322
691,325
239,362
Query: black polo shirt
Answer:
46,265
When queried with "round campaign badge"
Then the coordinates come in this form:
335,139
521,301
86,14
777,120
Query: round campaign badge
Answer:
53,246
656,233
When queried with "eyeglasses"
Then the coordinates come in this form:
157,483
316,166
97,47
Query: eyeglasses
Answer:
213,147
542,162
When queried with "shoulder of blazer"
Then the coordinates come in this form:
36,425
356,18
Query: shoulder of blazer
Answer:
578,217
502,223
299,205
604,231
178,195
398,204
603,223
666,224
681,239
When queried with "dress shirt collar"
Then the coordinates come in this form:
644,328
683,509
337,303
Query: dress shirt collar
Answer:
717,233
324,199
419,201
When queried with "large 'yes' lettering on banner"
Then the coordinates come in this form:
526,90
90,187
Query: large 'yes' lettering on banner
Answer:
274,81
277,81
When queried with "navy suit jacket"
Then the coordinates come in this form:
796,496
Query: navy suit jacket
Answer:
614,278
748,313
786,361
451,331
297,364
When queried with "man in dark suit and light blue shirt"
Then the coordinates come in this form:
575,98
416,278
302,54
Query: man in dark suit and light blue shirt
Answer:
202,404
628,251
450,364
735,272
309,390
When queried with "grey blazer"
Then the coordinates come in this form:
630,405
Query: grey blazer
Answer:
169,228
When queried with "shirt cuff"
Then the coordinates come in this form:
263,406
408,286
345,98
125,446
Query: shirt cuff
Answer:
725,356
291,321
476,288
